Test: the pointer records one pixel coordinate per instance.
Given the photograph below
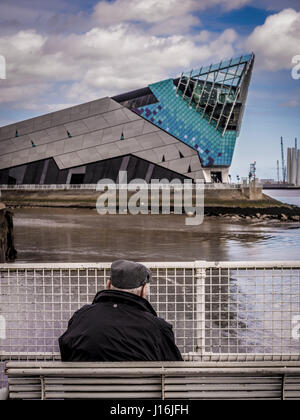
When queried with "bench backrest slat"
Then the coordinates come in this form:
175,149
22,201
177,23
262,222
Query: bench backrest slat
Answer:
191,381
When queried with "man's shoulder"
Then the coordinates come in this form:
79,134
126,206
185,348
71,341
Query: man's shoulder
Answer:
82,310
164,324
160,323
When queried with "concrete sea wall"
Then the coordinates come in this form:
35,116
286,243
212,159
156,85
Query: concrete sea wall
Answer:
245,201
88,198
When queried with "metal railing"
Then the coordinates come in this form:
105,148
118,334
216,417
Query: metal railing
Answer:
93,187
227,311
221,186
41,187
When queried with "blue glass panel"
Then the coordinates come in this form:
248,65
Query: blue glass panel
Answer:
236,61
226,63
176,117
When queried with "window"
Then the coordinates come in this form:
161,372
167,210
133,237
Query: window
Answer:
216,176
12,180
77,179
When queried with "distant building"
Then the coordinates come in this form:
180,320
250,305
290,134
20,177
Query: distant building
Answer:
177,128
293,166
268,181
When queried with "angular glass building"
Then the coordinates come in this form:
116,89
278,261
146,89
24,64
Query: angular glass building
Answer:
177,128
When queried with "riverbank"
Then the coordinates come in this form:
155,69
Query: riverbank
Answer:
266,209
280,213
218,203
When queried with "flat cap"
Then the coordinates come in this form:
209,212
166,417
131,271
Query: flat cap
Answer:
129,275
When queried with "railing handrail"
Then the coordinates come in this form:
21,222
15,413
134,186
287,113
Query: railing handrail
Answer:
31,187
169,264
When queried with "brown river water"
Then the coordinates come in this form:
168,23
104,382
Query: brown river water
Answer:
77,235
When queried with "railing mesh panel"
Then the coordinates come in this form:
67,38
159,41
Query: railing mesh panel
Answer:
217,313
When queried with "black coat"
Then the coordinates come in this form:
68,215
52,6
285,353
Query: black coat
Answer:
118,326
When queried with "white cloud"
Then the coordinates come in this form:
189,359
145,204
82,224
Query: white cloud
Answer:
156,16
128,44
174,25
150,11
102,61
55,16
277,40
27,41
125,59
15,93
164,17
225,4
33,58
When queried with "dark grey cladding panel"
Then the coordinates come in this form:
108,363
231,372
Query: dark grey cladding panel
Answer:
61,139
163,173
18,173
62,177
122,136
47,172
34,172
131,135
52,173
90,173
57,118
132,95
137,168
136,99
103,169
4,174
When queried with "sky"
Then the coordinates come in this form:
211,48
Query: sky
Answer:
66,52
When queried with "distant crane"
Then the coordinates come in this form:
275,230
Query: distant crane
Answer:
297,163
278,170
252,172
283,163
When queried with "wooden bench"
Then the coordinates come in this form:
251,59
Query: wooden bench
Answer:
153,380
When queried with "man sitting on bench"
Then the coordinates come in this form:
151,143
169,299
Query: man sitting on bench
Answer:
120,325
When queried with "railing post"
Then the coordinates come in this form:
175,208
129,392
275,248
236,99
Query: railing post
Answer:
283,383
43,390
163,387
200,275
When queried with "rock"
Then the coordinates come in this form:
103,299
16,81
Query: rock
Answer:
295,218
258,215
283,217
248,218
265,216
